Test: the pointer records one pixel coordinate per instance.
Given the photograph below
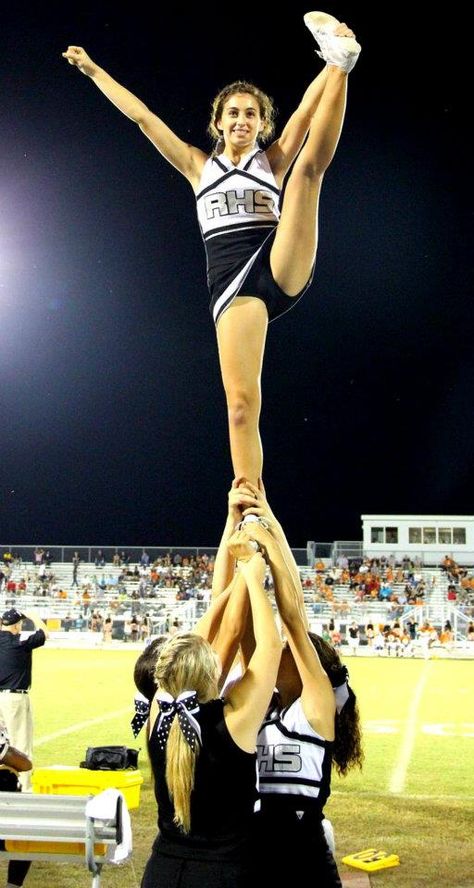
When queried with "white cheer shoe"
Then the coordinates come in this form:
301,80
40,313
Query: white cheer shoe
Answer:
342,52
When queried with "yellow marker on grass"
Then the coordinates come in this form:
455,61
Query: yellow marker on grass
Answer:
371,859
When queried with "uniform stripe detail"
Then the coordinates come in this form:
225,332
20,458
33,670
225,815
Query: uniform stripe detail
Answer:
227,229
283,781
242,174
296,735
220,164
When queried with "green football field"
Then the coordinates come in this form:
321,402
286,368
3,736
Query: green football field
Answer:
413,798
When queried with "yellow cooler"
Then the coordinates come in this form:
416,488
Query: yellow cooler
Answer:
65,780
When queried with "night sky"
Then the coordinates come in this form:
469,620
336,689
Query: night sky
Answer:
113,420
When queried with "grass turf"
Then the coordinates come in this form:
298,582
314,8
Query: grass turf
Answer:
413,798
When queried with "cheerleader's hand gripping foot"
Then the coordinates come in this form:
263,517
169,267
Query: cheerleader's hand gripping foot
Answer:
339,49
241,547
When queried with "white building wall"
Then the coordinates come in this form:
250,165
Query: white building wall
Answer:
427,525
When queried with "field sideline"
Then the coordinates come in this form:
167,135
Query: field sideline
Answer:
414,796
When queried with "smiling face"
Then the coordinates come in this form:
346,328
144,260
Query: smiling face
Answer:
240,122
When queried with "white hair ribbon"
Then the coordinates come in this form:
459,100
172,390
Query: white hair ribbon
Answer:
342,695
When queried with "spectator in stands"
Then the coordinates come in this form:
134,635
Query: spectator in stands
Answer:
336,637
393,644
446,636
134,629
428,636
379,642
100,558
175,626
86,600
325,635
447,564
353,638
144,559
370,634
107,630
452,595
68,623
470,632
12,762
38,555
385,591
75,566
406,645
11,587
145,628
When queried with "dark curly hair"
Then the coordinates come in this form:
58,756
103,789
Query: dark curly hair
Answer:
348,752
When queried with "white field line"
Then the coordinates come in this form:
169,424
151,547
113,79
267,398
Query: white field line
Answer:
414,797
71,729
397,780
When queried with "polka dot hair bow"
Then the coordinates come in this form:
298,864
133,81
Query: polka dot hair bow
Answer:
186,707
142,711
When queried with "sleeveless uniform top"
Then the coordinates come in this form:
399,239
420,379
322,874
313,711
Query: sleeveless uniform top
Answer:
294,762
223,798
238,212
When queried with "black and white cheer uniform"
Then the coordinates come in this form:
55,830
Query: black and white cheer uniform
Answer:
238,212
294,765
216,851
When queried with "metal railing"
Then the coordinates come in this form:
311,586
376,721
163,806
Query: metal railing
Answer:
133,554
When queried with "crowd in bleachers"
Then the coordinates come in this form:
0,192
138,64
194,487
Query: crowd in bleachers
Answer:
187,575
383,579
98,590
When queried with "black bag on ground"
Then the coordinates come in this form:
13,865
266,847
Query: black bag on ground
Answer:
110,758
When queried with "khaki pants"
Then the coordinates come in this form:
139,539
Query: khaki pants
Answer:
16,714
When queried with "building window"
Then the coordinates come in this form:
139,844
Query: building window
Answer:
445,536
414,535
429,536
459,536
391,534
376,535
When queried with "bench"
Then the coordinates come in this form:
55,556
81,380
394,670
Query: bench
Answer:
58,828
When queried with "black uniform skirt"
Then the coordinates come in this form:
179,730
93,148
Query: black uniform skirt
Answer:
287,845
165,871
258,282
